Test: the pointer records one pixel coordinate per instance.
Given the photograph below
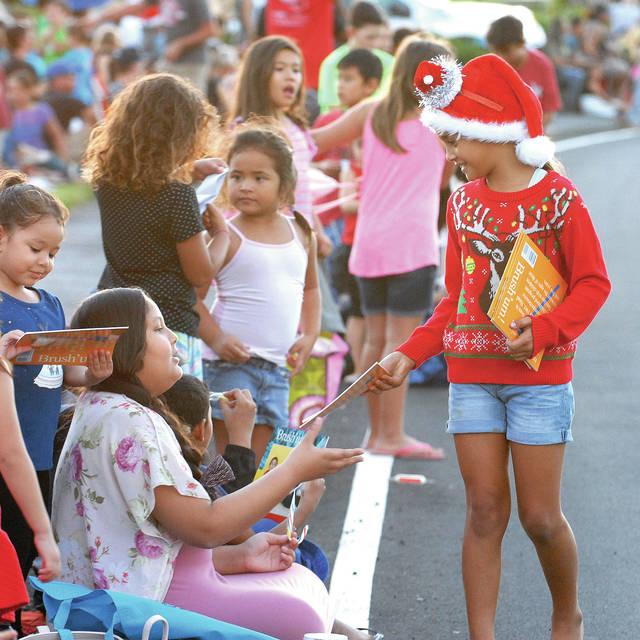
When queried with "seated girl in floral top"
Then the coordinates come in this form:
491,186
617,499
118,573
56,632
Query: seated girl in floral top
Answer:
129,513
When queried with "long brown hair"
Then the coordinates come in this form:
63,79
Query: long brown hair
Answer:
154,130
402,98
122,307
252,94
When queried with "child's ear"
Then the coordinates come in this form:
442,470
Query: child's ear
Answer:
198,431
371,86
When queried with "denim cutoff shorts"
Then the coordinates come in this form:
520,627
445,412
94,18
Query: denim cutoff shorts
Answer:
526,414
267,382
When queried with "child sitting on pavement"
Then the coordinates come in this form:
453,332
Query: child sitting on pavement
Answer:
188,399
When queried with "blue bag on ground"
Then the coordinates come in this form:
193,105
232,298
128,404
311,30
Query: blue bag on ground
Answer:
77,608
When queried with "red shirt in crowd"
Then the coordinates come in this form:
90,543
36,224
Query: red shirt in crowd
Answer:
310,24
539,73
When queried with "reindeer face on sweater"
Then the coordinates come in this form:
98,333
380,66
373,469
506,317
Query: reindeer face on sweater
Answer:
488,231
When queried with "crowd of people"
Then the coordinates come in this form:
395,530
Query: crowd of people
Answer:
393,124
596,54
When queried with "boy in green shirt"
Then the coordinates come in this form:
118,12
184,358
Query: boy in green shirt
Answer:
367,29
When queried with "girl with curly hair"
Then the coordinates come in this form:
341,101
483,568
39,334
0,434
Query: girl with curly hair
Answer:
141,161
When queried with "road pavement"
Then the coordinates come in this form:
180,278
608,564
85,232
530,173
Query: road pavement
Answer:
417,590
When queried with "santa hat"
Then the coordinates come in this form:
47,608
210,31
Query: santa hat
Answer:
484,100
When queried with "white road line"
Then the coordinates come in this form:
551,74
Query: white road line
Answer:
352,577
596,138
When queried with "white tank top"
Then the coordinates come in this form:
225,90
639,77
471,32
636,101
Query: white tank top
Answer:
259,296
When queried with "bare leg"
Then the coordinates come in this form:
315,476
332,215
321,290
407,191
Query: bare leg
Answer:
372,352
355,339
389,406
538,475
483,460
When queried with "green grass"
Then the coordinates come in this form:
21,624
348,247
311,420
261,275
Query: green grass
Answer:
74,194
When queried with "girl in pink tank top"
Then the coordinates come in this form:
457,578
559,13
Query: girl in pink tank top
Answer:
395,247
267,312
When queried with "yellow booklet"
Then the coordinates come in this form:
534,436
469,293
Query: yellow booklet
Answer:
530,286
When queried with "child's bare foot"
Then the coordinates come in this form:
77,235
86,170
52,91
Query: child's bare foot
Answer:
407,447
569,629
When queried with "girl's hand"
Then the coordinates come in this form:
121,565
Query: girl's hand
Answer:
99,366
268,552
308,462
229,348
522,347
50,555
299,353
398,365
206,166
239,411
325,246
8,347
214,221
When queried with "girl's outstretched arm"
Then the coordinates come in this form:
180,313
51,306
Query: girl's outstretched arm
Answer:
20,476
343,130
204,524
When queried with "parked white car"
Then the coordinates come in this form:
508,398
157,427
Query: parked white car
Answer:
461,19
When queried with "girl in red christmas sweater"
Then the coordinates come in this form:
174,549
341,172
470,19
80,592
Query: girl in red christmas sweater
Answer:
490,123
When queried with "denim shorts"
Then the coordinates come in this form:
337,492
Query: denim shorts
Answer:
402,295
526,414
267,382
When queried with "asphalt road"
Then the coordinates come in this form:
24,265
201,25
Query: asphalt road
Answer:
417,589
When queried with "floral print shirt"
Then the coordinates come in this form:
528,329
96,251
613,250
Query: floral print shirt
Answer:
116,453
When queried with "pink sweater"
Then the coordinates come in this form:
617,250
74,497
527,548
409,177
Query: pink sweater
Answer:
399,198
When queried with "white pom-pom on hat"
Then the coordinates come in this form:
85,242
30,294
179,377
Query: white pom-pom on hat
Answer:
535,151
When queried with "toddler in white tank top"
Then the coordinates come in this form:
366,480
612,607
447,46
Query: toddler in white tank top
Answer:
267,312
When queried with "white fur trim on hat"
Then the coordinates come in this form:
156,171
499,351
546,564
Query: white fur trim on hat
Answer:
442,122
535,151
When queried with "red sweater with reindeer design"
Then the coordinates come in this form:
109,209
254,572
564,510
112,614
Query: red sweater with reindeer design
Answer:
483,225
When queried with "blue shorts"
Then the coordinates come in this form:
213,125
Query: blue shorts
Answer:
526,414
403,295
267,382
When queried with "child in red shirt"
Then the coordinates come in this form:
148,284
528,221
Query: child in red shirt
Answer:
490,123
